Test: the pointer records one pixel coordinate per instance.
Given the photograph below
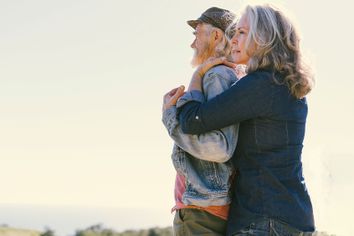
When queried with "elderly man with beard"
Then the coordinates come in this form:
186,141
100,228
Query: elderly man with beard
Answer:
204,172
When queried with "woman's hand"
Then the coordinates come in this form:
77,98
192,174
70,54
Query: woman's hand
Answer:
170,98
211,62
196,82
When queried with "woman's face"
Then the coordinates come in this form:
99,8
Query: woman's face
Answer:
238,42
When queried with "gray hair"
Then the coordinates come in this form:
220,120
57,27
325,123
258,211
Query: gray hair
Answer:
223,48
273,43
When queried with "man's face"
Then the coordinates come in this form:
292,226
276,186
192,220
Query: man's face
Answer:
201,45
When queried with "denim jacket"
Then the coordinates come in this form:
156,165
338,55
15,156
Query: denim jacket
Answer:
204,159
269,181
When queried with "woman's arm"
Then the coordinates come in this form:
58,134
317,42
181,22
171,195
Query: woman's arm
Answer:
170,98
250,97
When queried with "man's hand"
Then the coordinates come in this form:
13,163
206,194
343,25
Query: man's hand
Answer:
170,98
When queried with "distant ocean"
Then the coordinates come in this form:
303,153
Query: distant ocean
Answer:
66,220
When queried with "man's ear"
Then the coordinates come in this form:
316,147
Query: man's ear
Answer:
217,35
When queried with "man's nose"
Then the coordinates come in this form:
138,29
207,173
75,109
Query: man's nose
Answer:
193,44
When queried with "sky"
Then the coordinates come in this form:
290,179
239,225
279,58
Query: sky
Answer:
81,86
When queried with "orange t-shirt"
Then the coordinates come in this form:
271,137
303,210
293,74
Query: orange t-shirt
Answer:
180,188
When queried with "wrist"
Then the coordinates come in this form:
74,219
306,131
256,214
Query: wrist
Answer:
166,107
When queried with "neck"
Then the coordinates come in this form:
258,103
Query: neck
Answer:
207,54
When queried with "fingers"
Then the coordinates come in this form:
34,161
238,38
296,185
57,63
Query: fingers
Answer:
213,61
172,92
170,98
208,64
179,92
229,63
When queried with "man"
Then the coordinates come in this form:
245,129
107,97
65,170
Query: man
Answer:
204,173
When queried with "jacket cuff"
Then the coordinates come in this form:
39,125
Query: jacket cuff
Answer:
193,95
169,117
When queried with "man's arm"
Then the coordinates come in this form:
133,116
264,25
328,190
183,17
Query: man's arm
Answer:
216,145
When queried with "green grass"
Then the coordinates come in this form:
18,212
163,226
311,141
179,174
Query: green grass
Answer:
8,231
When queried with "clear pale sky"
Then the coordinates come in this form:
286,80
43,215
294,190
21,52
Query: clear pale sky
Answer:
81,86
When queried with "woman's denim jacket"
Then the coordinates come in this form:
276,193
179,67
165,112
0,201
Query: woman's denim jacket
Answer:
204,159
269,181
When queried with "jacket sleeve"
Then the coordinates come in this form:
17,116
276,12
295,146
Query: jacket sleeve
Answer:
251,97
216,145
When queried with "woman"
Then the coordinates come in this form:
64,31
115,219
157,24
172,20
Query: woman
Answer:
270,196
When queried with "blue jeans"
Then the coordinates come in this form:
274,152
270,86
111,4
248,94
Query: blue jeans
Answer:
270,227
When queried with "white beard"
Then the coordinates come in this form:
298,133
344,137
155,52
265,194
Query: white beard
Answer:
196,59
202,54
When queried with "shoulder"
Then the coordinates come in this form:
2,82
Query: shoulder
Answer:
262,74
261,82
259,76
217,80
221,72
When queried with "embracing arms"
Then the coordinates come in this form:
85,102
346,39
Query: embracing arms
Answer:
216,145
249,98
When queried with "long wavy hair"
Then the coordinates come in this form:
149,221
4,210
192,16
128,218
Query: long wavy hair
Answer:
273,43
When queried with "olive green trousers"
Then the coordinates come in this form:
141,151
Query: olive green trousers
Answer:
190,222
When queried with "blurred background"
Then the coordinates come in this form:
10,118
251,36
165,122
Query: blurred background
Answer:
81,86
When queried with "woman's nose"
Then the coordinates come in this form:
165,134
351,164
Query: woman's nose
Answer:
234,39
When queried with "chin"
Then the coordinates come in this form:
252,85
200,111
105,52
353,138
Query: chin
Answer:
238,61
234,58
195,62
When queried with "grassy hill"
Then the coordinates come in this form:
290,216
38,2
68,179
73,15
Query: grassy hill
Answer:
8,231
98,230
